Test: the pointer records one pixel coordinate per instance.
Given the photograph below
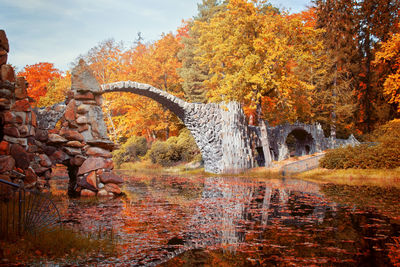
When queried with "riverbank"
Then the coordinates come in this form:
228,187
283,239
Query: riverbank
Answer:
370,177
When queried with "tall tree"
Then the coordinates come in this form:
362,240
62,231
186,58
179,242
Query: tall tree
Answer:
255,56
38,77
388,57
192,72
353,30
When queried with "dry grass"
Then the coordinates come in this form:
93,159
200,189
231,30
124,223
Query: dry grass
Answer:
372,177
60,244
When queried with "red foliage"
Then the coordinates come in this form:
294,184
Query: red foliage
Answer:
38,76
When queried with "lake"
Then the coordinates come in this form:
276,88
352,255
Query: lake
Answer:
222,221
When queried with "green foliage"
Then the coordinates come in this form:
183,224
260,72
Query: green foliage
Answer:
175,149
385,155
131,150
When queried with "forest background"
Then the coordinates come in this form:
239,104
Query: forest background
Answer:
336,63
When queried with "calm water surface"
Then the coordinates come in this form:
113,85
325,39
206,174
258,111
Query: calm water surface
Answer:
177,221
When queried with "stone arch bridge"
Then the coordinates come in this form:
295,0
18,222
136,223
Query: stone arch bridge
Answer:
30,142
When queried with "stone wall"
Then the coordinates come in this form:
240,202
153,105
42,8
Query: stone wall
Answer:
31,144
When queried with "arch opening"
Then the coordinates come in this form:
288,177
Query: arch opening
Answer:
299,143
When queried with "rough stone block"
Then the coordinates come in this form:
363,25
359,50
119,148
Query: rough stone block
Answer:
7,163
98,152
20,89
21,105
21,141
4,148
92,164
4,41
82,79
110,177
21,156
113,188
7,73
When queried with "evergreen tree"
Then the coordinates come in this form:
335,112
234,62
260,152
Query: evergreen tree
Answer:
192,72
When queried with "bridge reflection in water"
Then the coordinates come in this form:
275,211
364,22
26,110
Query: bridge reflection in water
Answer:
237,220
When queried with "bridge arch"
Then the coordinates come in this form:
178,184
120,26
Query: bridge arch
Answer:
298,138
219,130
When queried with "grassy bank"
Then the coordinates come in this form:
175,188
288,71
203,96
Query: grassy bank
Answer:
374,177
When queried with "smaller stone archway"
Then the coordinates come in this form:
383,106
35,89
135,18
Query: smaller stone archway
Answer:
298,138
299,142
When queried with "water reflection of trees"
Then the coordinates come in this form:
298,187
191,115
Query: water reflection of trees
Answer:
287,221
231,206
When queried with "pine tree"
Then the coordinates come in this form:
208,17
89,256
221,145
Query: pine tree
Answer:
192,72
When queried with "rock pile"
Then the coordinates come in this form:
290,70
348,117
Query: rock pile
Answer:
30,144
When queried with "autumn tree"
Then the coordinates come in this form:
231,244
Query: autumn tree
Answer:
38,77
57,90
192,72
255,55
389,56
353,31
154,64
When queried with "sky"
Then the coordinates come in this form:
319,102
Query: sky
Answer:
58,31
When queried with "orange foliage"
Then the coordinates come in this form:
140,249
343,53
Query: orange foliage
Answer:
38,76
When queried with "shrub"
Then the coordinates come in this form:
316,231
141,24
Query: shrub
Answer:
175,149
131,150
164,153
384,155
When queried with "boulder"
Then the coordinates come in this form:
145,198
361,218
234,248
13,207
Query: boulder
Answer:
110,177
81,120
84,96
4,103
20,89
4,148
30,176
94,163
92,179
82,182
71,135
98,152
74,144
7,73
87,193
59,157
11,130
113,188
56,139
21,141
4,41
41,135
21,105
7,163
106,144
70,114
45,160
102,193
83,109
82,79
77,160
3,57
20,155
72,151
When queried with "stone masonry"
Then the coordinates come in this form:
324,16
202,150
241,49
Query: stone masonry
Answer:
220,130
31,144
